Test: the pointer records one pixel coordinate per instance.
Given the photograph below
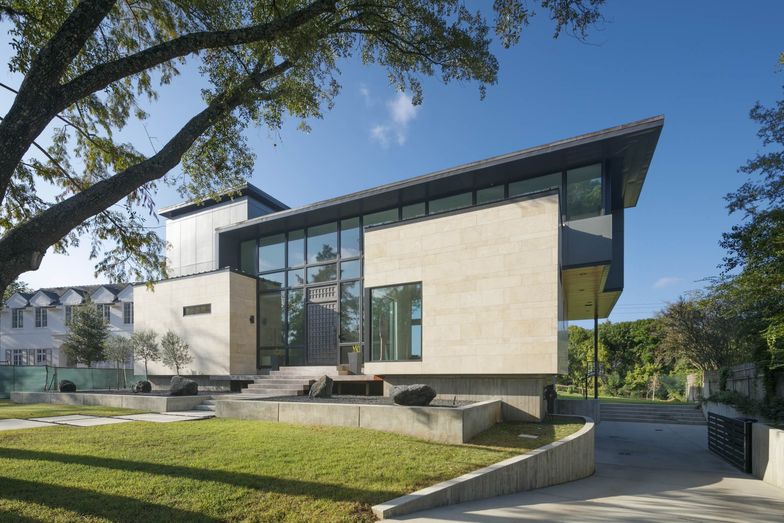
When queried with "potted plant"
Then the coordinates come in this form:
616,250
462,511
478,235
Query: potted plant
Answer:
355,359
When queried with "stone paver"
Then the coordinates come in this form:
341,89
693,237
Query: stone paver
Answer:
94,422
16,424
60,419
644,472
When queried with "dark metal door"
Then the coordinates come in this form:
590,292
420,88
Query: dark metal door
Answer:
323,325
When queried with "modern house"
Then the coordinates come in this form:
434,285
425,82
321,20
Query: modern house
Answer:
33,325
464,279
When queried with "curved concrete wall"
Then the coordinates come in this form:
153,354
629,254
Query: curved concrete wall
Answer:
564,460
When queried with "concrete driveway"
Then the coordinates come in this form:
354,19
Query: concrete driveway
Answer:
644,473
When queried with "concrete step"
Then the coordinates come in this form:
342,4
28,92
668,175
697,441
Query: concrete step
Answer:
274,392
674,412
664,421
635,406
649,415
210,408
285,381
208,402
306,371
295,385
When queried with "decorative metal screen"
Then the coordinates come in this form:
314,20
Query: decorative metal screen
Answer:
322,325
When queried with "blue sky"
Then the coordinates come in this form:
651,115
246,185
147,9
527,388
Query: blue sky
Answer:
701,64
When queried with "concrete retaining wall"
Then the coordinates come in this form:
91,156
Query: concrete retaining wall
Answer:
441,424
126,401
767,454
565,460
587,408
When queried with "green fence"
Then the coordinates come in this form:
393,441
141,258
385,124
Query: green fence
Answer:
41,378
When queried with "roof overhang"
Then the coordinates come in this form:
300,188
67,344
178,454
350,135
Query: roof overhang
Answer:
248,190
627,148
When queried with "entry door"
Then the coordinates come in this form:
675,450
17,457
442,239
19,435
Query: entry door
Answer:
322,325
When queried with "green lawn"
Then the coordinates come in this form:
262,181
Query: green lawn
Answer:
230,470
617,399
41,410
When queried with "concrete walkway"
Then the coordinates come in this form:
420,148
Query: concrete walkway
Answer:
84,420
645,472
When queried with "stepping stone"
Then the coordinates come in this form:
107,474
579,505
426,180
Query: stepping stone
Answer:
93,422
60,419
16,424
157,418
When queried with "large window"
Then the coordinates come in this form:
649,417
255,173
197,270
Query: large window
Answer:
41,319
584,192
17,318
105,310
272,252
128,312
248,257
396,322
323,243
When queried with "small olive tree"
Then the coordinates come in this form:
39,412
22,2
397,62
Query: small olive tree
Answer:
145,346
119,350
175,353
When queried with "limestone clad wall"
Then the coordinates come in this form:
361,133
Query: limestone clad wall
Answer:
223,341
489,288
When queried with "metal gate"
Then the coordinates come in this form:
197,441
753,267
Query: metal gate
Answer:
322,325
730,439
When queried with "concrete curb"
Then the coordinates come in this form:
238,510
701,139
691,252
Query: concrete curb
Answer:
565,460
440,424
126,401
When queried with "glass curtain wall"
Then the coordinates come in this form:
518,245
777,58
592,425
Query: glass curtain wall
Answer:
288,264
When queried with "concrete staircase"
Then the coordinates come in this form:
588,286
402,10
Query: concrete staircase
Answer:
288,381
652,413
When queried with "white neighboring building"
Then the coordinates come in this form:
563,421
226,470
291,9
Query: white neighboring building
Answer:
33,325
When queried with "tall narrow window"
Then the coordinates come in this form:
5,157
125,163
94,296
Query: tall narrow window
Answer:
396,322
248,257
40,317
584,192
105,310
17,357
128,312
68,314
17,318
349,238
41,356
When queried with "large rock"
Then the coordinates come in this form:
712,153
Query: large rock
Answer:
66,386
183,387
322,388
413,395
142,386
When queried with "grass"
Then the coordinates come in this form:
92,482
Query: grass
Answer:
10,410
506,436
621,399
230,470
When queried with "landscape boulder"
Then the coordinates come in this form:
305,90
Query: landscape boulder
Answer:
66,386
142,386
322,388
417,395
183,387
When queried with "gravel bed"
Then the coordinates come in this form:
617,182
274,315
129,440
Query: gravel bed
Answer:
361,400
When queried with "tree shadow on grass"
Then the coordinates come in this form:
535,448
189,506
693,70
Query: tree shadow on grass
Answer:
239,479
89,502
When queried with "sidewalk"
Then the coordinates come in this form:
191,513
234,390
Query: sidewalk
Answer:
83,420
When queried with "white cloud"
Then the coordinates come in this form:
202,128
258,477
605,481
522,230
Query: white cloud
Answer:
381,135
366,96
666,281
401,112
